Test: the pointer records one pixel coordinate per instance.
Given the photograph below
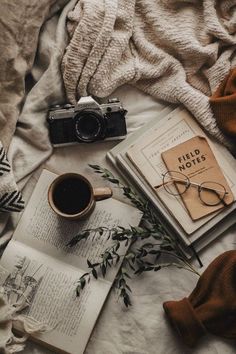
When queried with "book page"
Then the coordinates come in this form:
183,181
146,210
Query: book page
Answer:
145,154
45,231
49,286
44,269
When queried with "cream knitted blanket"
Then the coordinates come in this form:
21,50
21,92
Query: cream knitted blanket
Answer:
178,51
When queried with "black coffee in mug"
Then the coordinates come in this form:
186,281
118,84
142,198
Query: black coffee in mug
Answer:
72,195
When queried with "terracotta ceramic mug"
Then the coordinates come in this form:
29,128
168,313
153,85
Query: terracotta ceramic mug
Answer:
72,196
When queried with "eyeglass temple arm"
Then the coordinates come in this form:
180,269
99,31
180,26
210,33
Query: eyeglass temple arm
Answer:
164,183
207,188
189,182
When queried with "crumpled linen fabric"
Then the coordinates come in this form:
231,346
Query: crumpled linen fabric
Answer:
18,45
172,50
36,87
9,315
20,24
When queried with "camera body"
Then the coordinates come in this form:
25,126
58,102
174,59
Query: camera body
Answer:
86,122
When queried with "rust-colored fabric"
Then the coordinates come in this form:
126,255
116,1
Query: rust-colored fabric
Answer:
211,307
223,103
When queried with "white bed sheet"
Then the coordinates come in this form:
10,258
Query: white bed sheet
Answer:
142,329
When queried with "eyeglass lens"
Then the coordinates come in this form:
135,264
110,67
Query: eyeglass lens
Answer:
175,182
211,193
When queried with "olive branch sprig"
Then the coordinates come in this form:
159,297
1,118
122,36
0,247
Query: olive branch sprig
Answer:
140,259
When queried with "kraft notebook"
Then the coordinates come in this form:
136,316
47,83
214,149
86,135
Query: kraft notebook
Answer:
205,183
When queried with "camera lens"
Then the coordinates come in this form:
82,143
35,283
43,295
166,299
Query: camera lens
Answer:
89,126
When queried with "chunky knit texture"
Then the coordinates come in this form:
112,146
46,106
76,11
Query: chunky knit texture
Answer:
175,51
211,307
223,103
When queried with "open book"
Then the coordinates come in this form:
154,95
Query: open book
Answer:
45,270
139,160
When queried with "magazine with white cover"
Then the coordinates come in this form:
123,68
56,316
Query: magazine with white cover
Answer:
45,270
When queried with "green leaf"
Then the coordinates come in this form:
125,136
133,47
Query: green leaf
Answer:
127,287
86,233
82,283
101,231
105,255
117,258
98,171
147,269
109,256
158,256
108,263
117,246
122,283
130,255
94,272
127,242
157,268
127,275
138,229
121,227
113,180
156,235
89,264
127,301
142,252
78,290
72,242
105,175
148,245
95,167
103,269
122,292
139,270
148,263
167,247
127,190
131,266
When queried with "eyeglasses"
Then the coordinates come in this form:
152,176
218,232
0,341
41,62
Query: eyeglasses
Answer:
209,192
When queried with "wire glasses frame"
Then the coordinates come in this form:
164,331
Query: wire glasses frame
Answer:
209,192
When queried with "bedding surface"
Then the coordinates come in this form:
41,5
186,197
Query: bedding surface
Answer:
142,329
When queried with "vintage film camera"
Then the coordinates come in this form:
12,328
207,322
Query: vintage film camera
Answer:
86,122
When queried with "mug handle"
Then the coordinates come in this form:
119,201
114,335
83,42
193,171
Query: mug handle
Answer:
102,193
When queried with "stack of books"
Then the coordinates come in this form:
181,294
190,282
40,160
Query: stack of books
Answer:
139,160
